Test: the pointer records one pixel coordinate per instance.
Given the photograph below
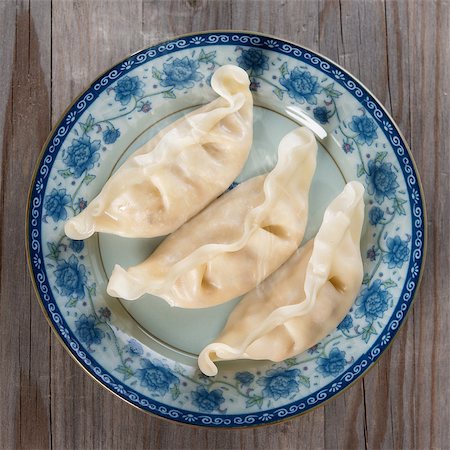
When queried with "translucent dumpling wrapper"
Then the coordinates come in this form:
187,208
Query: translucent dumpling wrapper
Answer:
305,299
234,243
179,171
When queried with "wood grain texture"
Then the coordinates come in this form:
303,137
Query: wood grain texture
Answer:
52,49
24,337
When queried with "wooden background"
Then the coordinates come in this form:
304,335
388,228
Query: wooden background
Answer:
51,49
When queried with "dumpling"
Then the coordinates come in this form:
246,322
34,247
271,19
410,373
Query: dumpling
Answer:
305,299
235,242
178,172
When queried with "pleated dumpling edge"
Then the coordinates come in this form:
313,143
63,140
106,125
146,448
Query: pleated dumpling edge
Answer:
305,299
234,243
179,171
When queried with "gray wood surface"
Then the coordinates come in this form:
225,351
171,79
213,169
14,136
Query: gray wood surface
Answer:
51,49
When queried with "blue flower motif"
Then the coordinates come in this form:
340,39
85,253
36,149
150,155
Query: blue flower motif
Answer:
82,155
111,135
254,85
86,330
347,146
372,253
253,61
280,383
134,348
71,278
365,129
373,301
118,388
398,252
145,107
381,180
156,378
245,378
197,40
346,323
313,349
376,215
81,204
105,313
76,246
333,365
335,387
207,400
301,86
321,114
127,88
181,73
55,204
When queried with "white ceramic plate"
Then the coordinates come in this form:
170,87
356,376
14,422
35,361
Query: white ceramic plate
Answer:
145,351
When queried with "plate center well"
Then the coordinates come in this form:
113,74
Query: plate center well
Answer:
189,330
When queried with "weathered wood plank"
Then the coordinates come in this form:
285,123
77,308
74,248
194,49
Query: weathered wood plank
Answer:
8,32
83,411
296,21
397,48
99,34
165,19
24,334
84,415
389,386
292,20
414,388
344,417
362,49
7,353
429,61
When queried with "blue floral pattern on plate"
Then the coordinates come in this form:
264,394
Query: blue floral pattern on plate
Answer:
156,378
288,75
181,73
301,85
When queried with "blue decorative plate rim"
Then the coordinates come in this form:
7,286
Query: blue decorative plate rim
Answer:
204,39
